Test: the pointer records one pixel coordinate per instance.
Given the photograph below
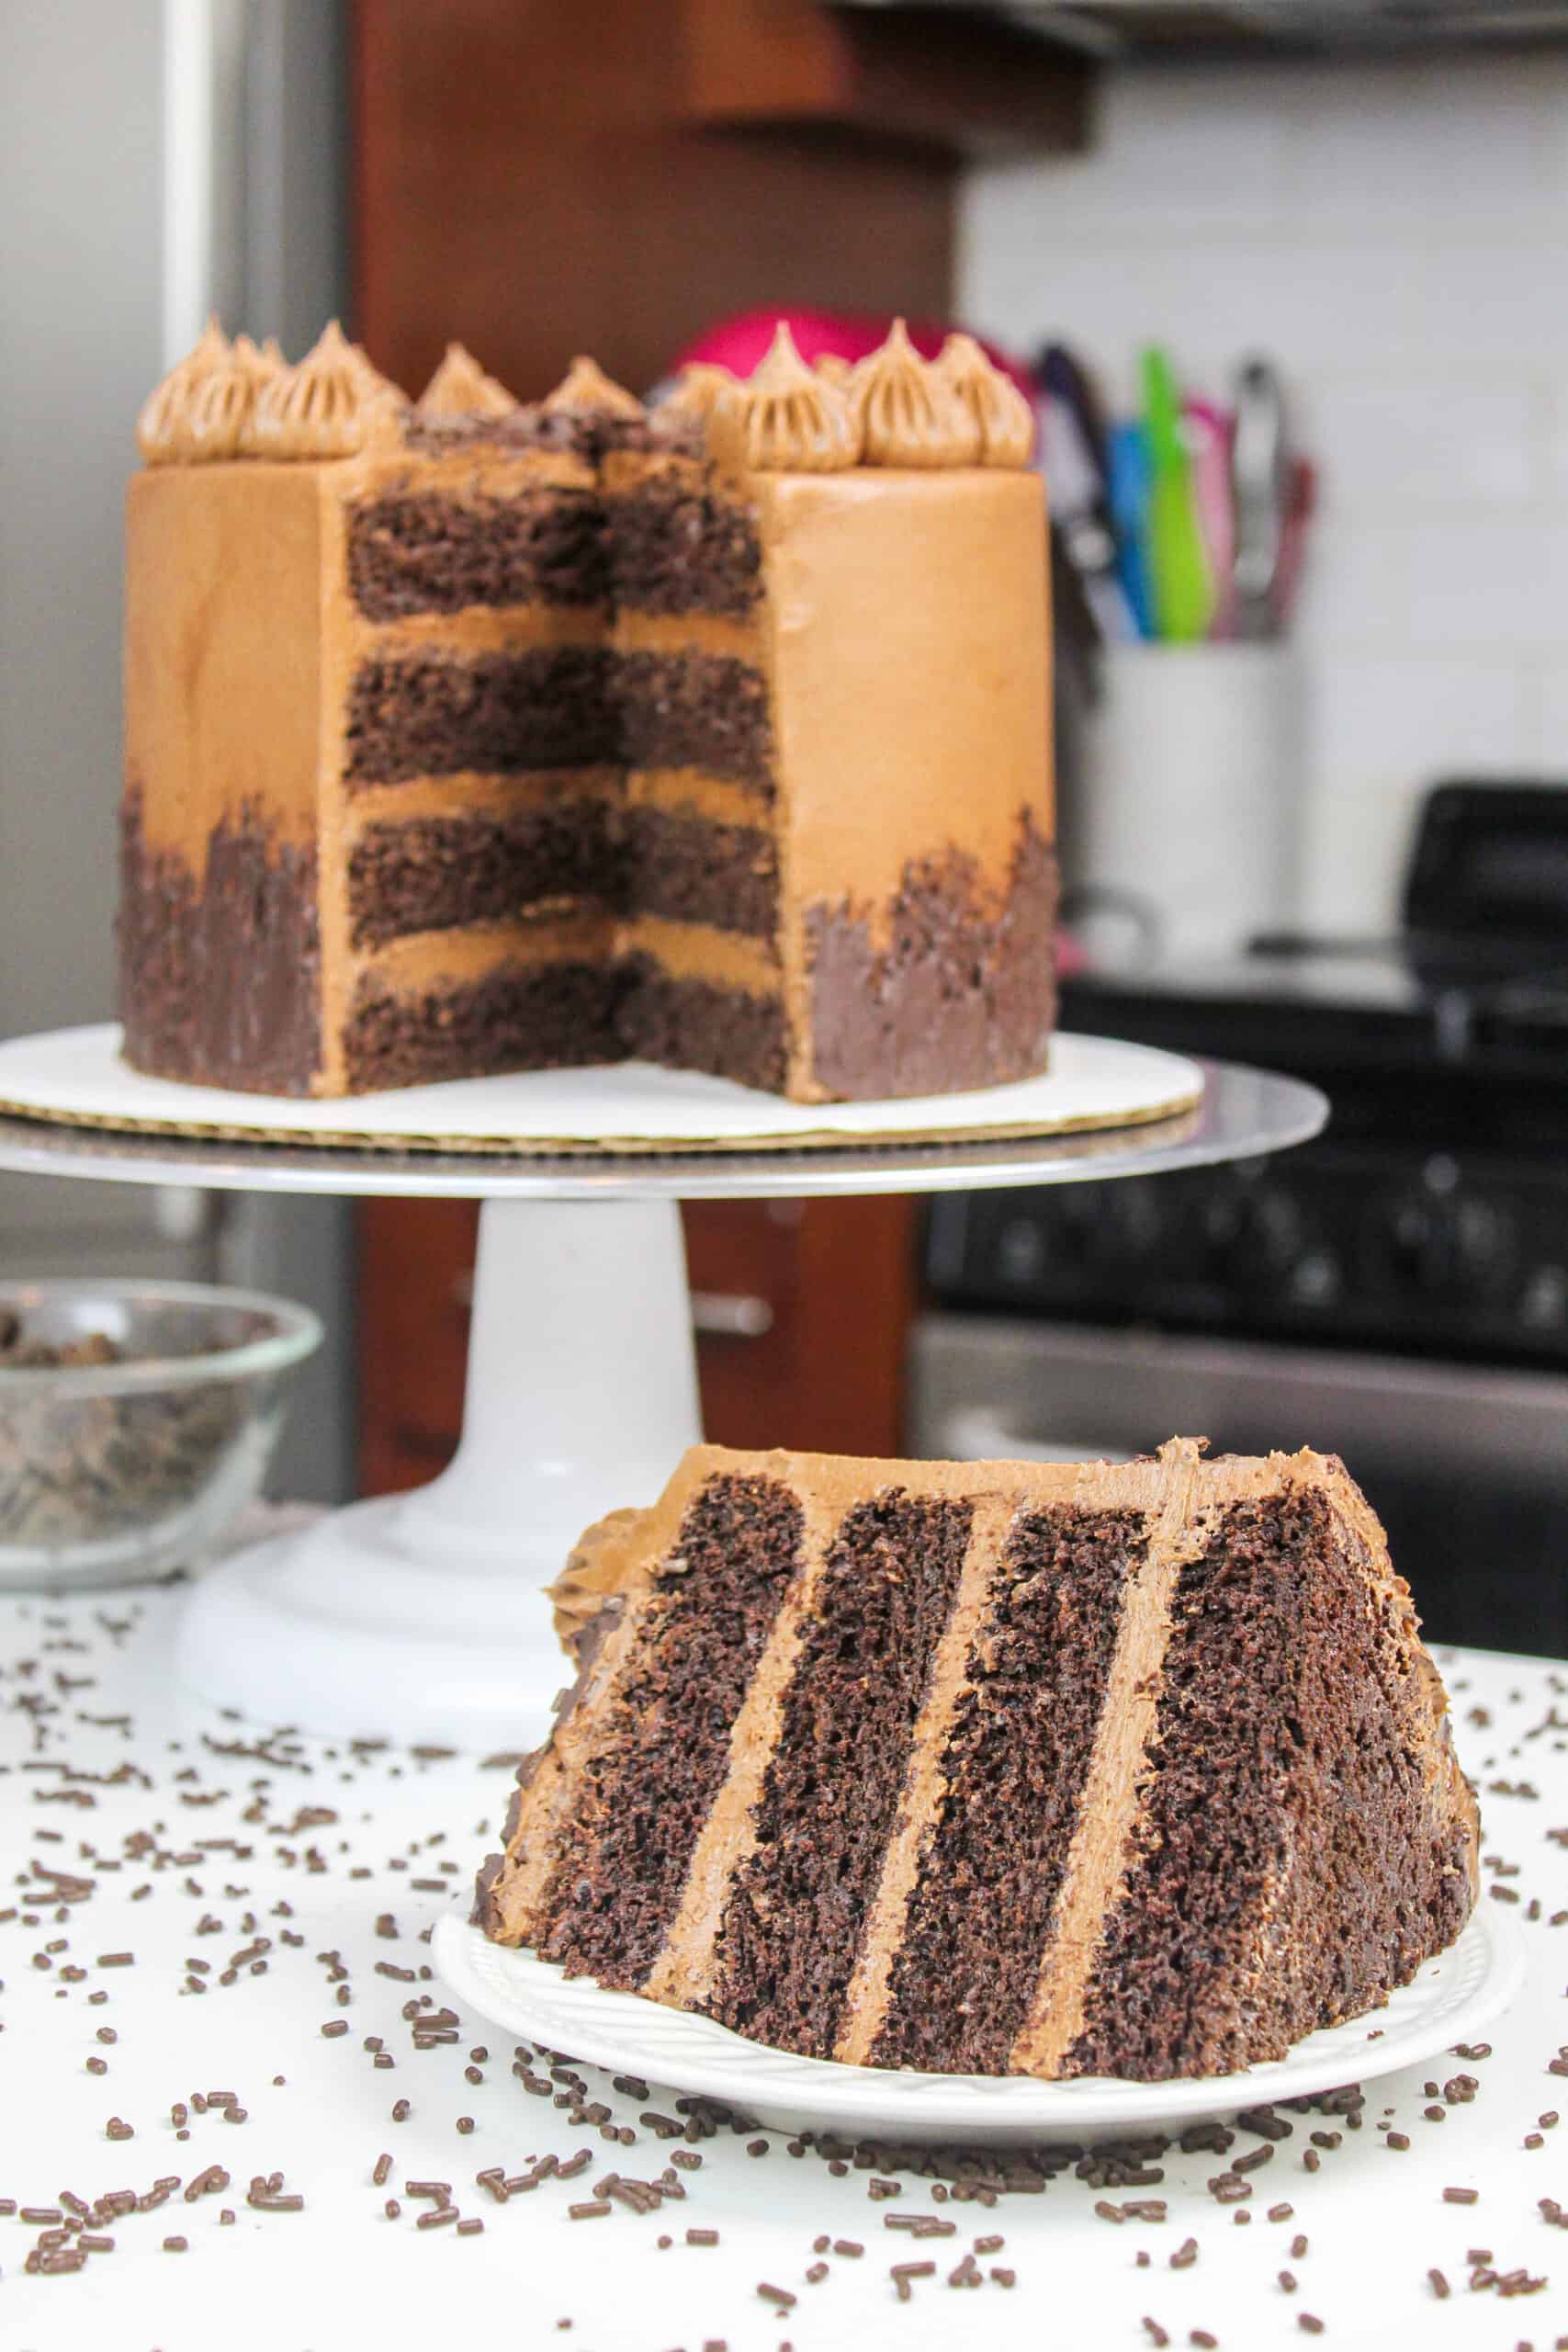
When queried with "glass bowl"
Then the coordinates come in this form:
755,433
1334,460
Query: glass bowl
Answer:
114,1472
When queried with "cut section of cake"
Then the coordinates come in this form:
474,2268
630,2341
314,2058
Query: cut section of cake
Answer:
468,736
831,614
371,819
995,1768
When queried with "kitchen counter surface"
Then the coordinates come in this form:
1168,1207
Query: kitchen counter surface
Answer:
190,1908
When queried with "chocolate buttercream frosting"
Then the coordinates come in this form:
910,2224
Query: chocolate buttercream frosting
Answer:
907,412
461,387
220,970
332,404
964,981
163,428
1002,417
586,390
223,403
785,418
695,389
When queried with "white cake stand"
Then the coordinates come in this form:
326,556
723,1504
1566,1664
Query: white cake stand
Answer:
421,1616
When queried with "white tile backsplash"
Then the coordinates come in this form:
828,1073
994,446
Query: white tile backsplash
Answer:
1438,149
1422,446
1373,723
1210,153
1546,694
1392,235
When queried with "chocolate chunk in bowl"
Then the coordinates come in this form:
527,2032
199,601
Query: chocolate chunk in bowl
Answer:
137,1420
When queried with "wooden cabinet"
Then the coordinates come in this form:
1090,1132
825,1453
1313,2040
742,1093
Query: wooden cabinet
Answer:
534,178
802,1309
540,178
959,83
414,1287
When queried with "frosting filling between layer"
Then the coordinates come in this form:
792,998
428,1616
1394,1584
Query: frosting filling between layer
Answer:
1097,1861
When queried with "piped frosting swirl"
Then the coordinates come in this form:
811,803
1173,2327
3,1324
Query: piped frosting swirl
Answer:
1002,414
223,403
586,390
461,387
785,418
909,414
696,388
332,405
164,427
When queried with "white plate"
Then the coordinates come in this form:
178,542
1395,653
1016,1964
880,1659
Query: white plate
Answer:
1092,1082
1451,1999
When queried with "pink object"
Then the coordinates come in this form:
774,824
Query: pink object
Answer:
1209,430
1071,958
738,344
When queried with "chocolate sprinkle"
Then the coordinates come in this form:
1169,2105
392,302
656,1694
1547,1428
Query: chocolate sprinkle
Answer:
80,2229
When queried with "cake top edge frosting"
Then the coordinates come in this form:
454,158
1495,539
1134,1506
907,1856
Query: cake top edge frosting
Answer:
225,401
460,387
613,1550
891,410
586,390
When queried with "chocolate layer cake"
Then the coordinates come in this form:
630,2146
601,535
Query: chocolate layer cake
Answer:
467,736
995,1768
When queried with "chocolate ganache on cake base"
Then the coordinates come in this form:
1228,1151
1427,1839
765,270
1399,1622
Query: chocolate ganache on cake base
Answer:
995,1768
466,736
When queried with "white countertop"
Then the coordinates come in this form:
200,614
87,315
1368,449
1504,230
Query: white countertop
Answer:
102,1761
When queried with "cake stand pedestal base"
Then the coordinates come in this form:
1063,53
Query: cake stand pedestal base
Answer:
424,1615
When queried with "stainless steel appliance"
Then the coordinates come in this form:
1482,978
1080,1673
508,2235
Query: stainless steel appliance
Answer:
1396,1293
225,121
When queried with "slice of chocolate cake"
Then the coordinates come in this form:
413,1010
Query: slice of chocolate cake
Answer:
995,1768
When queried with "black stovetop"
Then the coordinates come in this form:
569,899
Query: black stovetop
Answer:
1490,1015
1470,989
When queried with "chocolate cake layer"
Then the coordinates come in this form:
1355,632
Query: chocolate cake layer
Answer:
646,1791
584,433
527,427
692,1025
428,552
1014,1768
497,714
436,873
220,975
676,548
555,706
962,995
696,710
787,1948
691,870
518,1016
1284,1783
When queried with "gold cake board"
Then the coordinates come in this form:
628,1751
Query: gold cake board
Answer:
76,1078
